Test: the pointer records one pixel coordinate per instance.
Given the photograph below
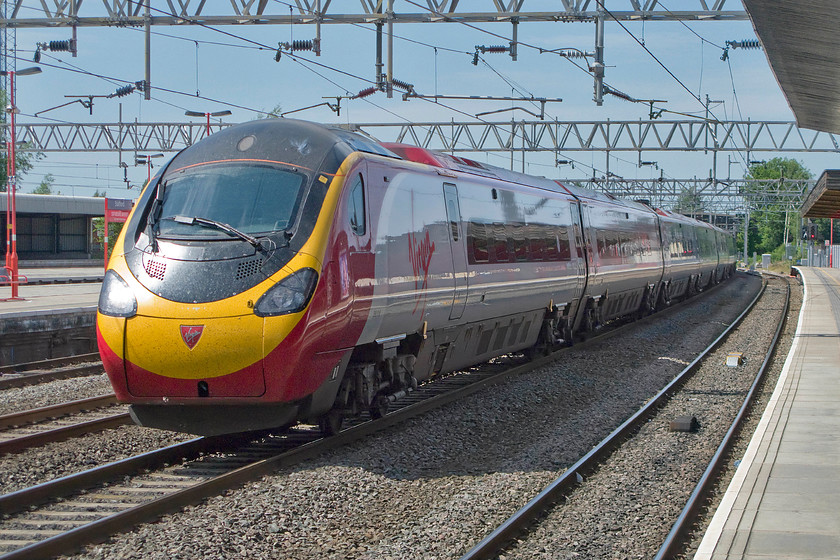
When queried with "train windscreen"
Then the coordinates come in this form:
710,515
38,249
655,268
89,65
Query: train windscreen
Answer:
253,198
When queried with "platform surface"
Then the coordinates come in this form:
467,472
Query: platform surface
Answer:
52,298
784,500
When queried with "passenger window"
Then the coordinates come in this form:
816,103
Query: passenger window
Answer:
520,243
356,206
477,240
501,242
536,242
552,243
563,245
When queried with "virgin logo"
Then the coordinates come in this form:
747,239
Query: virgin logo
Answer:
191,334
420,255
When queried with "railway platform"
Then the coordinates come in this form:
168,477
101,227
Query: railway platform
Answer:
53,318
783,501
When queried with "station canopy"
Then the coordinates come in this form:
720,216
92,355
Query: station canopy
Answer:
824,199
802,45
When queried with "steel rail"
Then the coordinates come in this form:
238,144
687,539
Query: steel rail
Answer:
65,432
37,414
495,541
675,539
101,529
50,363
36,378
27,498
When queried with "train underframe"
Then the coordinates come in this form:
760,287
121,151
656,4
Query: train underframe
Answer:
383,372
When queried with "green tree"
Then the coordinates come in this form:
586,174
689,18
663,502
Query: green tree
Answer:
689,203
273,114
767,224
114,229
46,185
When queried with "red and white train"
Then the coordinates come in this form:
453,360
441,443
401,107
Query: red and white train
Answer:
281,271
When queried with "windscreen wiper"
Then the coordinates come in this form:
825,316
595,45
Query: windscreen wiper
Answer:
154,215
218,225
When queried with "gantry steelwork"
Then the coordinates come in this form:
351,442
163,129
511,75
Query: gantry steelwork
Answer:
715,196
471,137
58,13
599,136
718,196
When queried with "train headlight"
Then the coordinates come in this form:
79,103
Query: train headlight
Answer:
290,295
116,298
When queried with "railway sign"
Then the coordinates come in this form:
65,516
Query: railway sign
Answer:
116,210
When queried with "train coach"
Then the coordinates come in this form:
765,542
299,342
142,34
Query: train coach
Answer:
283,271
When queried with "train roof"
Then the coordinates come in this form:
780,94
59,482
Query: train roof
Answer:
300,143
580,192
676,217
465,165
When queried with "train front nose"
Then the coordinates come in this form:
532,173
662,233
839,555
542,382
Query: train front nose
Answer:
193,357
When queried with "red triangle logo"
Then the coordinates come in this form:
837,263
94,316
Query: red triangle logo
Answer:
191,334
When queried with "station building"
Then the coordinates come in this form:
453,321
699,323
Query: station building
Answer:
54,227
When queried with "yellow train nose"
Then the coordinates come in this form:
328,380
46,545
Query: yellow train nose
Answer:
162,354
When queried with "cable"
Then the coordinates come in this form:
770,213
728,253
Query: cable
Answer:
176,92
690,29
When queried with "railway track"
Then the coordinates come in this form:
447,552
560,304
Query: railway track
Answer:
508,536
40,426
59,516
32,373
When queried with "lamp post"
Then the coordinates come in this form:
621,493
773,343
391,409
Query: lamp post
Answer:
146,159
11,182
207,116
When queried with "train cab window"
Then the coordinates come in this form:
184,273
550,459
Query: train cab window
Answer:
356,206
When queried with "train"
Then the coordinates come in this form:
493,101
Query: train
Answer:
282,271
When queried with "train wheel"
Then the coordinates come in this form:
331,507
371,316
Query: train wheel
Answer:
331,422
379,407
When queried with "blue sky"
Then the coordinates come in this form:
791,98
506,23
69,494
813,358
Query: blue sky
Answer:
246,79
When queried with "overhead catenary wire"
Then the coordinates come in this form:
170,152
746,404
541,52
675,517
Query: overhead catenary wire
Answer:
308,64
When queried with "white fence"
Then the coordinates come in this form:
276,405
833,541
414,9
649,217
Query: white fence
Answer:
823,255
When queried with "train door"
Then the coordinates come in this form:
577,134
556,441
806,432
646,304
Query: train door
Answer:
349,258
456,244
359,251
579,254
590,243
